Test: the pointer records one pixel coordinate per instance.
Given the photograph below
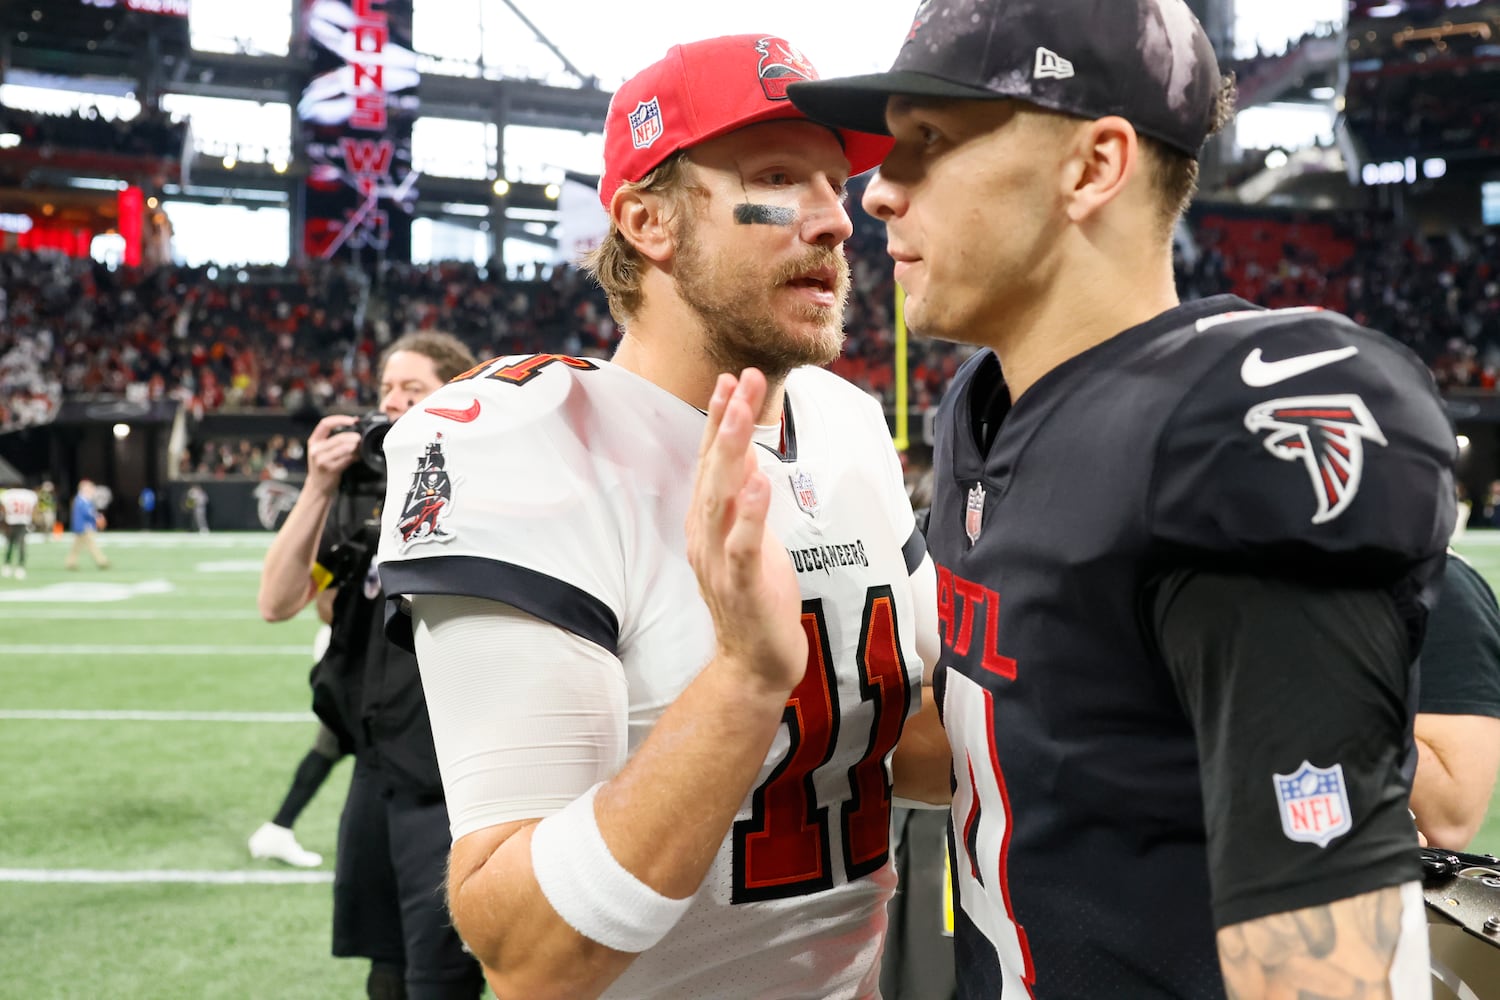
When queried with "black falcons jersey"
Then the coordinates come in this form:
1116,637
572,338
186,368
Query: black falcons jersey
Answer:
1291,444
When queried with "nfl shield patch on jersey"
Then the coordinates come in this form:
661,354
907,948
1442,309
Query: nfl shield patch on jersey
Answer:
974,513
1314,803
805,492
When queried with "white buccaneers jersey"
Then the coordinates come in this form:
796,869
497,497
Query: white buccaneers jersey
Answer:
561,486
18,504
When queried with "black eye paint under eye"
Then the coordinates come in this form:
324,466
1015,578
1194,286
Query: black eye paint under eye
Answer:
764,215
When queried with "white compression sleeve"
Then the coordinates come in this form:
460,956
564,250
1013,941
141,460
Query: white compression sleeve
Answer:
526,717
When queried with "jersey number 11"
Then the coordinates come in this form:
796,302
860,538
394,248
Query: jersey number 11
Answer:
783,849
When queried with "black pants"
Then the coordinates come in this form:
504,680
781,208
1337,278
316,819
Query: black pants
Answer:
389,900
918,959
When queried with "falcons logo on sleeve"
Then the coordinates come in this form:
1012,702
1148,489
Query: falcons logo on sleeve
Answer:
1324,433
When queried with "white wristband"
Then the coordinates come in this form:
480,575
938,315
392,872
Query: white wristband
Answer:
597,896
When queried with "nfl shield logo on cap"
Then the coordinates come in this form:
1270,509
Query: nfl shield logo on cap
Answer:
974,513
805,492
645,124
1314,803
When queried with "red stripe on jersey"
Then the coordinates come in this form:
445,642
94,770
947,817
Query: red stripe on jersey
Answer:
1344,414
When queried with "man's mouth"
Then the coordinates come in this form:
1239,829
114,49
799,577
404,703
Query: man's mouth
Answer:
823,279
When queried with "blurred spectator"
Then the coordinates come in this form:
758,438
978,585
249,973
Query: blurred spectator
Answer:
85,522
148,508
196,504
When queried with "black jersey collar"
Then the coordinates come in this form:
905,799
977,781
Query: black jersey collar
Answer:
985,403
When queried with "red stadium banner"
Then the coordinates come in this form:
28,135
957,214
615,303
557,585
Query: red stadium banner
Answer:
131,206
356,115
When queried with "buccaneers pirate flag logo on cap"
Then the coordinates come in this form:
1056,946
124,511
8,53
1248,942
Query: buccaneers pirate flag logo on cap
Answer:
781,65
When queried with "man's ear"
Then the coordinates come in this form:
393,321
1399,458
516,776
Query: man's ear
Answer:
1106,156
645,220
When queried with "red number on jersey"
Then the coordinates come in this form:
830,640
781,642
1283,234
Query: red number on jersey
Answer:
782,850
526,369
882,680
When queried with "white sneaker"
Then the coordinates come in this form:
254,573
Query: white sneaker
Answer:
20,572
4,571
280,844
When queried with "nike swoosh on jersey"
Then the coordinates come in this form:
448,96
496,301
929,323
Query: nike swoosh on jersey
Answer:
462,416
1259,373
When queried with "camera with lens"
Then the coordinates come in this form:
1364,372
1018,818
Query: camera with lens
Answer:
367,475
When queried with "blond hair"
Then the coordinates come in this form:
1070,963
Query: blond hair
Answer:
615,263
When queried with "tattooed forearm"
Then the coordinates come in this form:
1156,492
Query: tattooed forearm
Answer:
1342,951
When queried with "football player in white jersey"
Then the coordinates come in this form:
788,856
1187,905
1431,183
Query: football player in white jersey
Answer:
18,505
644,802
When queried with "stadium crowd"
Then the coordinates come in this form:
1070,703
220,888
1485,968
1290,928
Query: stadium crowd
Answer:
307,338
1246,70
1439,294
149,134
1425,115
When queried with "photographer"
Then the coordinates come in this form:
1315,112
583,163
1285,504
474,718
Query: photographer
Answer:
393,835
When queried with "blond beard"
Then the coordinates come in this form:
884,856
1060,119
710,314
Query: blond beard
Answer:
739,317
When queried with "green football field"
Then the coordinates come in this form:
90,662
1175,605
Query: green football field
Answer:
149,722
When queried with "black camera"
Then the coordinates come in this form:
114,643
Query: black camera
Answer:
367,474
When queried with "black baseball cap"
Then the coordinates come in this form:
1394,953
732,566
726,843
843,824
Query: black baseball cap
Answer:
1147,61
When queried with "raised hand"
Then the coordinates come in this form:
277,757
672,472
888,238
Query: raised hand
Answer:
744,573
330,453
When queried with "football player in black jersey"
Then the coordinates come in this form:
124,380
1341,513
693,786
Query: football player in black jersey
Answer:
1186,551
1457,728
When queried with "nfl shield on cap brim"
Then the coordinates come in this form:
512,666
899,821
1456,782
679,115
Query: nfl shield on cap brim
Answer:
858,103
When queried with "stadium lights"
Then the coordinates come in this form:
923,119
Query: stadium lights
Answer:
152,202
122,431
1403,171
9,140
97,183
279,166
552,191
502,188
230,162
1463,442
1276,159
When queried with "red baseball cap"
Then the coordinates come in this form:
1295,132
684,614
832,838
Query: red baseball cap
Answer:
702,90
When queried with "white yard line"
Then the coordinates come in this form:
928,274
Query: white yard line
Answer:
91,876
125,715
175,540
57,649
84,614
